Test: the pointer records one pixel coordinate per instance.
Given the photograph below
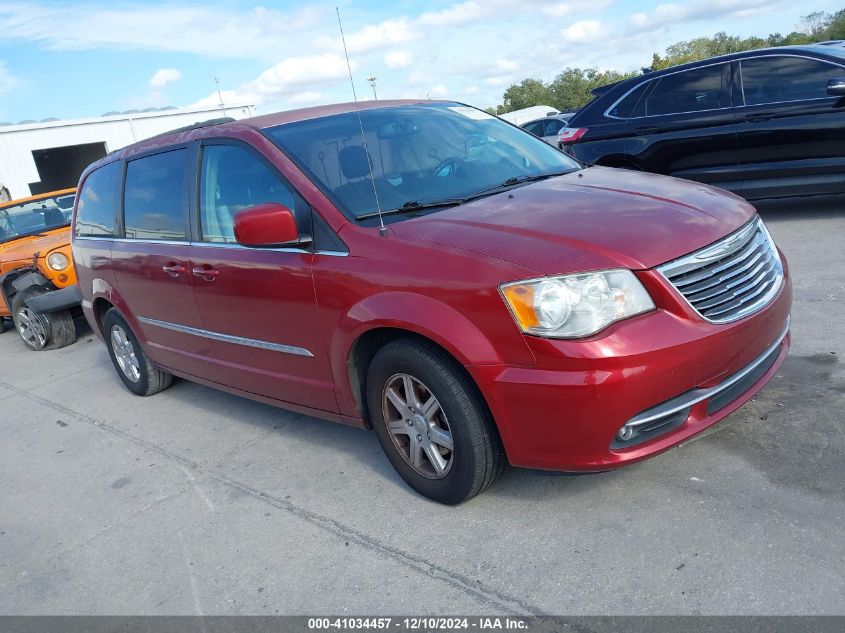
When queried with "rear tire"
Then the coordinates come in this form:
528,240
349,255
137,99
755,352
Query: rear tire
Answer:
41,331
448,451
129,360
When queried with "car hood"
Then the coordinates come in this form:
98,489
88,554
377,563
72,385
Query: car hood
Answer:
24,248
588,220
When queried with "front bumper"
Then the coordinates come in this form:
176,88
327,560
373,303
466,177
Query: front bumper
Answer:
565,412
56,300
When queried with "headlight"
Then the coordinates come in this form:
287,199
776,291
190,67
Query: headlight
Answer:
573,306
57,261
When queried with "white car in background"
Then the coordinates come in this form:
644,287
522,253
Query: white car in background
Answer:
548,127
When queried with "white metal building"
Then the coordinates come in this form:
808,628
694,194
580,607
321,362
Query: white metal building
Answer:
43,156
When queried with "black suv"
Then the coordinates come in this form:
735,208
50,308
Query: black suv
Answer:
764,124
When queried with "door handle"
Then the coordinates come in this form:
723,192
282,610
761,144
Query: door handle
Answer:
759,116
206,272
173,269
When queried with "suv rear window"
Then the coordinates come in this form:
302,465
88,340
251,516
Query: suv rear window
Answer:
689,91
96,206
156,197
627,106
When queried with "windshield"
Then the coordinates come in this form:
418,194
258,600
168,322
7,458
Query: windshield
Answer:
417,154
35,216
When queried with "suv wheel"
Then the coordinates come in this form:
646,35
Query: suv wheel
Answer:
432,423
132,365
41,331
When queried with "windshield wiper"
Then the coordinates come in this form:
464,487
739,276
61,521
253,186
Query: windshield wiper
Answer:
516,180
413,205
417,205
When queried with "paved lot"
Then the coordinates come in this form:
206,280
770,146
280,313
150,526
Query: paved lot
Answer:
194,501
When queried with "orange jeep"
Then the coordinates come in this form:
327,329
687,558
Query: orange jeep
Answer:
38,289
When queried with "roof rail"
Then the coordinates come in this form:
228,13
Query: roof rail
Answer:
197,126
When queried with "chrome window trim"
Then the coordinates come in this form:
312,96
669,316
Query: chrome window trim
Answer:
607,114
212,244
715,251
679,403
228,338
281,249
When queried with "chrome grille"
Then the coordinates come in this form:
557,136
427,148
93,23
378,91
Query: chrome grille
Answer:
732,278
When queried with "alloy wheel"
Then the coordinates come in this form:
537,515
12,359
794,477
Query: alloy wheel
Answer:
418,426
124,354
32,328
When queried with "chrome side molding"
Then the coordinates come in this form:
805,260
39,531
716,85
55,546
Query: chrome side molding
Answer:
228,338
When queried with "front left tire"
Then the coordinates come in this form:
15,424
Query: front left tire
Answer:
432,422
41,331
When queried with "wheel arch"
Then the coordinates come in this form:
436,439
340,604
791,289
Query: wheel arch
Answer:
380,319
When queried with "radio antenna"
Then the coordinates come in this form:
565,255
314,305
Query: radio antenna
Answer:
382,228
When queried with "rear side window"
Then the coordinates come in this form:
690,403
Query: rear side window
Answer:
627,106
536,128
689,91
156,197
97,202
233,179
780,78
552,127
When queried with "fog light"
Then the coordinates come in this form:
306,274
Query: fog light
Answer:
625,433
63,278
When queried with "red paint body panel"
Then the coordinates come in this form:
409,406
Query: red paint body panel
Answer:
593,219
557,403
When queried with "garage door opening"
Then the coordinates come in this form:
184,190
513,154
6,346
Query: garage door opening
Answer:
60,167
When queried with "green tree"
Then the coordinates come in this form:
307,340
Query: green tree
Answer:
527,93
571,89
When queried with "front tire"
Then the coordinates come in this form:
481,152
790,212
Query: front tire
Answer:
41,331
129,360
432,422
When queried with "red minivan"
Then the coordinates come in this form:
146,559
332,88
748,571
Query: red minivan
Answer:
474,295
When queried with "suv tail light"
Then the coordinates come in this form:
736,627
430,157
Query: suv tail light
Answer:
570,135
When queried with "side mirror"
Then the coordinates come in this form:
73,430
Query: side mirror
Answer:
270,224
836,87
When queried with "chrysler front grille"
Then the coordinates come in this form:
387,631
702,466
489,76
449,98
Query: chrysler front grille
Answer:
732,278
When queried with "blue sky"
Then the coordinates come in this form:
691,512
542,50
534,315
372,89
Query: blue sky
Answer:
68,60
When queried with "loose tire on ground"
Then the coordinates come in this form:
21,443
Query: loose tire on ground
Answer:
38,331
131,364
460,419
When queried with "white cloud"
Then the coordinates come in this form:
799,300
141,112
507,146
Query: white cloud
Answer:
306,98
471,90
506,64
453,16
438,91
583,31
164,76
300,71
398,59
372,36
201,30
699,10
